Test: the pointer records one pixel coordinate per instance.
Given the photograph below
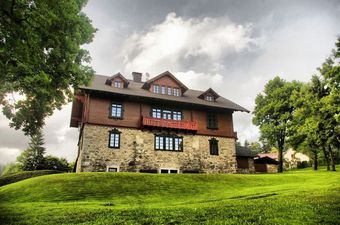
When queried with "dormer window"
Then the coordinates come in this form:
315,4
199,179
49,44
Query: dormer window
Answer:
117,84
209,98
163,90
117,81
176,92
169,90
156,88
209,95
165,84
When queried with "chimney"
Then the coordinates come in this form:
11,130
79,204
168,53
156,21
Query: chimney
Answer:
137,77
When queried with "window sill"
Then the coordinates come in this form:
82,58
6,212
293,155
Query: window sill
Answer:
212,128
163,150
116,118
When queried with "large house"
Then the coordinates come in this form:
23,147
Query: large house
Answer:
156,126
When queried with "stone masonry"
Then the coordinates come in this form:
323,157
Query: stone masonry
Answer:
137,152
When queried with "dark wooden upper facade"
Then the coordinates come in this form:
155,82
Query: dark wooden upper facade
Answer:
140,102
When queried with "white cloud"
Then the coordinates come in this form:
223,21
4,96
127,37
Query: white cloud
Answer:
195,80
8,155
61,139
295,50
165,44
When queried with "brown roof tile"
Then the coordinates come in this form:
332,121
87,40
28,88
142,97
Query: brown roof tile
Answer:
135,89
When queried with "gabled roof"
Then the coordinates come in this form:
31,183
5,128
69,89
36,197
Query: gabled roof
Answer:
242,151
109,80
146,85
266,160
272,155
135,90
209,91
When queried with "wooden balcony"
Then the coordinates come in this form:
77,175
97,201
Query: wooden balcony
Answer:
173,124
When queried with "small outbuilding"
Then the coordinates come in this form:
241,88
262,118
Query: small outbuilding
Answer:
245,160
265,164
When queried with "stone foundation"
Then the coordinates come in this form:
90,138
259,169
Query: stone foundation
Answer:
137,152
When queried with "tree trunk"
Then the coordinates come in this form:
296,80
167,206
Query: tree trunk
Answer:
280,159
315,163
331,153
326,157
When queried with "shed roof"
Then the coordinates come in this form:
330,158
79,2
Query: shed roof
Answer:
272,155
266,160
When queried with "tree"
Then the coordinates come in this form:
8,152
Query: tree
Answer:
306,129
40,58
33,157
55,163
256,147
273,113
330,105
315,124
11,168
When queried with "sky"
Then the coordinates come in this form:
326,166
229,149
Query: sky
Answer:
234,47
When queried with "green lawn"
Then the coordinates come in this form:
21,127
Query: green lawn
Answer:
299,197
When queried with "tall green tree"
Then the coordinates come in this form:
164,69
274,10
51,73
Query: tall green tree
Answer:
273,113
256,147
41,58
315,124
33,157
330,104
307,129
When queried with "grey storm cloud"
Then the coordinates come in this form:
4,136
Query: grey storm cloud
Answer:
235,47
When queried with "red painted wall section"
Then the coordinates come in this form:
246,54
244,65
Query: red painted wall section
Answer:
99,113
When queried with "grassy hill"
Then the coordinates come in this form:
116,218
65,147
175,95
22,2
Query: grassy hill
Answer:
301,197
15,177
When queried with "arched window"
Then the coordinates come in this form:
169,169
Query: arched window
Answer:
213,145
114,138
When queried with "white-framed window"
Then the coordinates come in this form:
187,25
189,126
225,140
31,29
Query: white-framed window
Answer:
116,110
114,138
168,170
156,88
169,90
112,169
209,98
163,90
176,115
168,143
166,114
178,143
157,113
117,84
176,92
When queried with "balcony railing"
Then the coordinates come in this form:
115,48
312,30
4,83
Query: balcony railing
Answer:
174,124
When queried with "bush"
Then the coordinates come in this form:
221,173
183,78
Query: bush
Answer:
12,168
55,163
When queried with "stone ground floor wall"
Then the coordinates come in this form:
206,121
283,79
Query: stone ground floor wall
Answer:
271,168
137,152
